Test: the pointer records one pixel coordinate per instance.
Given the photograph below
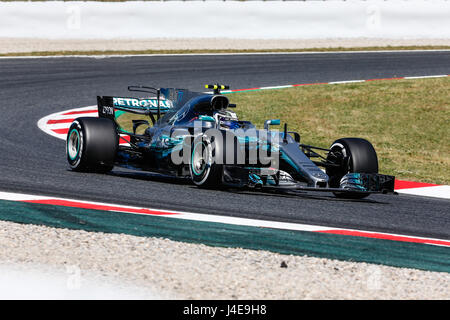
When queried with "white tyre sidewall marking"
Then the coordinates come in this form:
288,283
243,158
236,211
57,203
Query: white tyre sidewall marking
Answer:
80,151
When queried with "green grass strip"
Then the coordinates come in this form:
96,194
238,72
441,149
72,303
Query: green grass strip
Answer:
210,51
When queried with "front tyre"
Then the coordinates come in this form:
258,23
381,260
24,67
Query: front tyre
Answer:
204,170
353,155
92,144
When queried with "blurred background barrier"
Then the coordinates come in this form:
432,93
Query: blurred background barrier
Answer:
312,19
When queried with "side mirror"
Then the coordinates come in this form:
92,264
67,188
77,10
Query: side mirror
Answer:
273,122
296,136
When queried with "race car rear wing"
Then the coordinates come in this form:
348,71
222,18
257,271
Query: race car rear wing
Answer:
107,106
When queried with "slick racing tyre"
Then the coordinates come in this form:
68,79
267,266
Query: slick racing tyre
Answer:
204,170
353,155
92,144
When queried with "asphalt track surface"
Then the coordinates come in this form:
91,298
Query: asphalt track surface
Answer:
34,162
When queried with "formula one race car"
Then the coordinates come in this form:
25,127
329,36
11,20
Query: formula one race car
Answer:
191,134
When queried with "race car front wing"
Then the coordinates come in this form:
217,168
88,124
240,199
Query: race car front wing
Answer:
271,178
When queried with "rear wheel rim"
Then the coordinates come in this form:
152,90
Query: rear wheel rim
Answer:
73,144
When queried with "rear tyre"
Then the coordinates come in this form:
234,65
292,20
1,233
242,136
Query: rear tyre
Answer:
92,144
204,170
353,155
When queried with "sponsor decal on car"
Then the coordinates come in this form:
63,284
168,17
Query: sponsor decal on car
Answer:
151,103
108,110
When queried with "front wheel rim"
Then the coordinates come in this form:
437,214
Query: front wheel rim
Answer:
198,161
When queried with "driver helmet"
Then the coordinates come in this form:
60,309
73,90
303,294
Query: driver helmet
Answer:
227,119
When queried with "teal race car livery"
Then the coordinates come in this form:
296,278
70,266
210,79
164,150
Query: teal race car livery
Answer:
197,135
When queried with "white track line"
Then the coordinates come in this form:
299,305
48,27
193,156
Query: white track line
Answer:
224,219
442,192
